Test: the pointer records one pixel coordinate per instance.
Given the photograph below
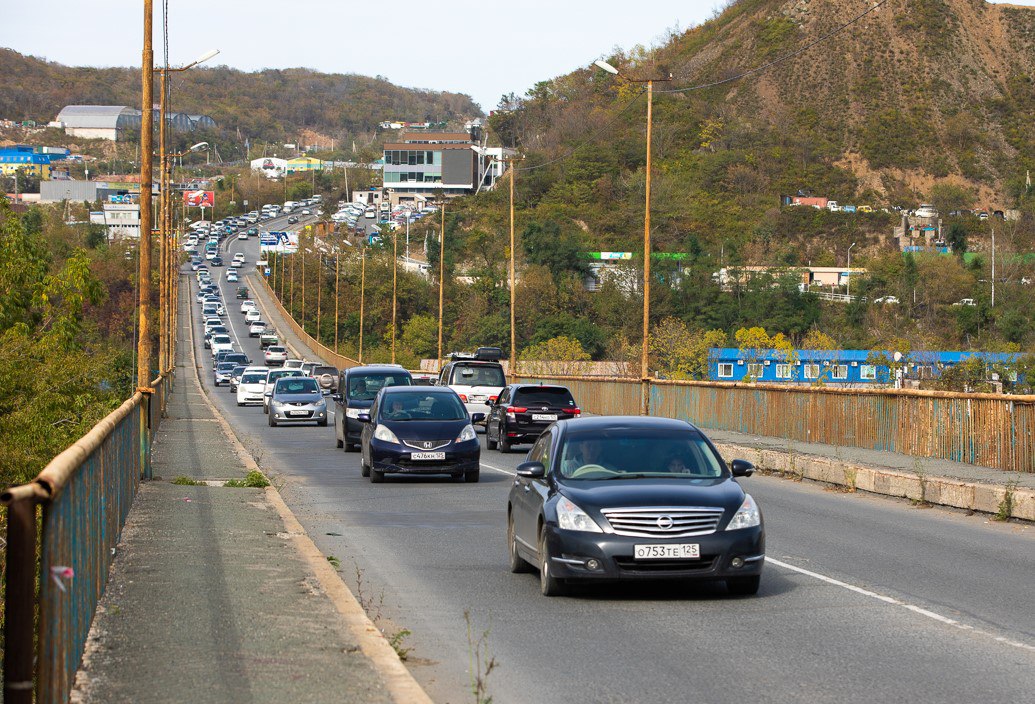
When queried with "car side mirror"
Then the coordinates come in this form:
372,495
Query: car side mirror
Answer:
531,470
336,397
268,394
742,468
477,418
364,418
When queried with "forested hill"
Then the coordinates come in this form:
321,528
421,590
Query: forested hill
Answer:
269,104
917,98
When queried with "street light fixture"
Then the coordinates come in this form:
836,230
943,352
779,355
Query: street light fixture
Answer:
644,371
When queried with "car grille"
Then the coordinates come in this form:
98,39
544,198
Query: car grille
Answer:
663,522
426,445
629,564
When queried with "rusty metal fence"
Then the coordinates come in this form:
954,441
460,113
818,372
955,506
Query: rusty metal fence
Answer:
84,495
326,353
990,430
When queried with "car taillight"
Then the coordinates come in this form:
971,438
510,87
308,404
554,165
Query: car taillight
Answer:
463,397
574,411
516,409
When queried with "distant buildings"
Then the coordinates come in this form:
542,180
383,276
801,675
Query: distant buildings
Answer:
430,164
113,121
29,160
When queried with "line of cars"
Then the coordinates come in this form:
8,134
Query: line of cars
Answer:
597,499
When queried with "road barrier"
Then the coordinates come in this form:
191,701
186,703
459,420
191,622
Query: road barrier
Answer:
326,353
991,430
84,494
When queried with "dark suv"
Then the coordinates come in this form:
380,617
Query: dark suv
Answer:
524,411
357,388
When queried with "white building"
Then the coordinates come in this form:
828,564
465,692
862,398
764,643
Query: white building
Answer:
122,220
269,166
98,121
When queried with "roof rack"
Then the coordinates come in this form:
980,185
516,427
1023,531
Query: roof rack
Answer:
482,354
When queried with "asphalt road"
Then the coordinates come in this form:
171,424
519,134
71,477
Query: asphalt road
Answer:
863,599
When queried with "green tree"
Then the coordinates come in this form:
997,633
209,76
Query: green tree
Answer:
557,250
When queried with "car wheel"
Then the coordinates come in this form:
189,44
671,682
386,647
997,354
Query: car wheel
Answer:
490,444
517,563
239,404
351,447
376,476
364,469
504,444
322,423
548,584
743,586
338,442
472,476
273,423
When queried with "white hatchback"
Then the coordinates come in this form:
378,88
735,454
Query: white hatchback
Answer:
252,386
247,305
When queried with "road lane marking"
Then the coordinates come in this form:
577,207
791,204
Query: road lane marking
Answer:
499,469
898,602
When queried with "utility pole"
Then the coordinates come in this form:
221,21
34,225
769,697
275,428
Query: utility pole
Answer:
163,229
395,283
337,298
441,278
513,333
302,252
319,294
144,271
993,267
362,294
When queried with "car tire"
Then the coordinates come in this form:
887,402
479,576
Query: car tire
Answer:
364,469
518,565
273,422
490,444
503,445
743,586
376,476
472,476
239,404
351,447
338,442
548,584
322,423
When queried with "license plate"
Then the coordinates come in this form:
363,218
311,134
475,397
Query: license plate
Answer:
544,416
427,455
667,552
298,413
477,399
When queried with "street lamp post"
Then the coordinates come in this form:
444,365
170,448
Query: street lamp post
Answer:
644,371
362,293
337,298
513,332
441,278
395,283
850,271
144,265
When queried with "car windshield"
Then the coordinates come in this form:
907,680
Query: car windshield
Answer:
219,339
225,366
297,385
364,387
543,396
282,373
634,453
479,376
254,378
416,405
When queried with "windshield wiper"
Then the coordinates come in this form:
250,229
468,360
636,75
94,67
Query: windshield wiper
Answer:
648,475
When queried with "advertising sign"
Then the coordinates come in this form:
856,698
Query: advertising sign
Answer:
280,242
123,198
199,199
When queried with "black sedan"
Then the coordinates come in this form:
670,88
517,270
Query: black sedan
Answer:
617,498
419,430
523,411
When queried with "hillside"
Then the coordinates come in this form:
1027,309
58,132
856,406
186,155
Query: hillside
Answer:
272,104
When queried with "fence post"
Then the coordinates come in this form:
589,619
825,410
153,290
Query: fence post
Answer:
20,606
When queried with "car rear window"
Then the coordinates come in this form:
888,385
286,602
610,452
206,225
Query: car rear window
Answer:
220,338
478,375
364,387
536,396
320,371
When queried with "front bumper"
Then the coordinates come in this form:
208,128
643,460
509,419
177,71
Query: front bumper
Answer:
299,414
570,550
395,459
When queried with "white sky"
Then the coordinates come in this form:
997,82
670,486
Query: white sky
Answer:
484,49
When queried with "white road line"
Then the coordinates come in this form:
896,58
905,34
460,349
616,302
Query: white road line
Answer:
498,469
898,602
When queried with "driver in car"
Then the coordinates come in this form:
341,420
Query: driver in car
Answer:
589,452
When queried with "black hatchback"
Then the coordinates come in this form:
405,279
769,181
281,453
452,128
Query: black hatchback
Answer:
523,411
618,498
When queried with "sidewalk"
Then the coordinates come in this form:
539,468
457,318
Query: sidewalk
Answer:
213,596
930,480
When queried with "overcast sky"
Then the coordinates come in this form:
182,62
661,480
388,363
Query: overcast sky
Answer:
484,49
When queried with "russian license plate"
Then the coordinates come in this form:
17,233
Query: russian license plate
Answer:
667,552
427,455
544,416
477,399
298,413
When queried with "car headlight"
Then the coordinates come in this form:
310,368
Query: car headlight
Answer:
467,434
571,517
384,434
748,516
353,412
321,404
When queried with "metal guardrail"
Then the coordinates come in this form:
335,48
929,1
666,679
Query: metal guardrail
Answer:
990,430
85,494
326,353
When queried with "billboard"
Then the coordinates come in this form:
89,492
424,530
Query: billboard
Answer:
280,242
199,199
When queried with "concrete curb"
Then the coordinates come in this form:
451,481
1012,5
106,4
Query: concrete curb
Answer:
400,682
942,491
